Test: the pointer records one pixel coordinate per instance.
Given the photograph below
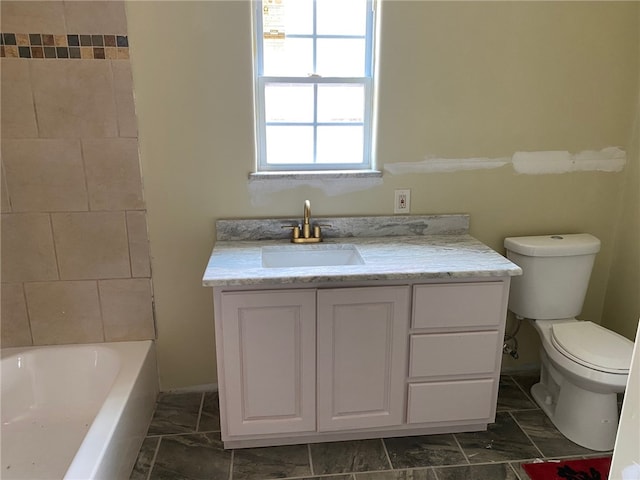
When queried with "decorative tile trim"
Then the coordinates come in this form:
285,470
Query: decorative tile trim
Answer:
72,46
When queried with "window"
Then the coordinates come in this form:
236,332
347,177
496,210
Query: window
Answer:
314,84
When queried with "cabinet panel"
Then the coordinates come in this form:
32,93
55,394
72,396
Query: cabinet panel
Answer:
454,353
451,401
269,361
458,305
362,352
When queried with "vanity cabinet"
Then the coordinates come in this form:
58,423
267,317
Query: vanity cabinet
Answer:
270,367
455,351
362,357
269,364
311,364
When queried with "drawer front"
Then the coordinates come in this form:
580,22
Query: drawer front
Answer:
458,305
451,401
454,353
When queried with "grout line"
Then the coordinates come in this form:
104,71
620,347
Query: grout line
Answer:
516,472
200,412
386,453
526,434
527,394
310,458
233,458
153,459
26,309
464,454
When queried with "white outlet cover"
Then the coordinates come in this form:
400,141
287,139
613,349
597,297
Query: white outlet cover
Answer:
402,201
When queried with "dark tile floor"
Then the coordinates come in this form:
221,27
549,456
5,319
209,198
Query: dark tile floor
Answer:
183,442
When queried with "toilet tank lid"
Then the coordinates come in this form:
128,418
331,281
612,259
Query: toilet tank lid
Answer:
553,245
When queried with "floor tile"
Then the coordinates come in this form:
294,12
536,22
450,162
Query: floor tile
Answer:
271,462
511,396
502,441
175,413
191,457
210,416
344,457
329,477
424,451
546,436
145,458
498,471
413,474
526,381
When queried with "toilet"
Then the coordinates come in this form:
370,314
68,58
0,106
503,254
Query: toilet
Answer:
583,365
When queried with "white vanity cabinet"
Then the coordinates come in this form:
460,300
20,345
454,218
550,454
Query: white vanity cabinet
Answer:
362,357
269,361
301,365
270,339
455,351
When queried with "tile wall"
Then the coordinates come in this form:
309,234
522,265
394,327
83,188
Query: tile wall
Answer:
75,250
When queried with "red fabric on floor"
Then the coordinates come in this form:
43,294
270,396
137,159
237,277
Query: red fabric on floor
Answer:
587,469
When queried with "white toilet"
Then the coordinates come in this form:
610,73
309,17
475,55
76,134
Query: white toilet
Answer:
583,365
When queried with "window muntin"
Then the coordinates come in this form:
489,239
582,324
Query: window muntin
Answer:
314,84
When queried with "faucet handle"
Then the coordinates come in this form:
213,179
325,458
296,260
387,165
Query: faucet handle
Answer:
316,229
295,230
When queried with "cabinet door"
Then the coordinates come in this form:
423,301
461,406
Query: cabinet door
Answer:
362,357
269,361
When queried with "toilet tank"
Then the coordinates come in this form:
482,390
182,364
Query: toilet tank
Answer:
556,271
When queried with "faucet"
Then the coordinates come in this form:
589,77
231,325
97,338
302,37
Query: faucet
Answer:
305,233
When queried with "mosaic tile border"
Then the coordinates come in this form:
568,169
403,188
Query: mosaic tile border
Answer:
70,46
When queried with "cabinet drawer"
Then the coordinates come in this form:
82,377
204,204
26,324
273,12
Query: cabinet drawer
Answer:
451,401
454,353
457,304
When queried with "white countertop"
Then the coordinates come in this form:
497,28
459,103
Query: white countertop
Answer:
447,256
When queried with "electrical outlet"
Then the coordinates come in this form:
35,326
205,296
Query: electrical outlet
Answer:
402,201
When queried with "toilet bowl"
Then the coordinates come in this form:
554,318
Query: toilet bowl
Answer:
583,368
583,365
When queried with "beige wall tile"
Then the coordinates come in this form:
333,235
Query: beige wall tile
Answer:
45,175
138,244
127,309
27,248
32,17
14,324
18,112
4,192
113,173
74,99
123,85
91,245
96,17
64,312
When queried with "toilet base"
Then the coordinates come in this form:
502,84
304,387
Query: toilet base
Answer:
587,418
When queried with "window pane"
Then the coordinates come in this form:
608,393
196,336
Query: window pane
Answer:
341,17
286,145
340,144
291,57
288,102
298,17
341,103
340,57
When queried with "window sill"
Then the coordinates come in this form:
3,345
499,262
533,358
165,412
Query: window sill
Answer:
324,175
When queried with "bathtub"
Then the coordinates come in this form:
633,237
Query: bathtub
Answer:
76,411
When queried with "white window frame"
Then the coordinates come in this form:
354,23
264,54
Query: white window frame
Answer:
366,163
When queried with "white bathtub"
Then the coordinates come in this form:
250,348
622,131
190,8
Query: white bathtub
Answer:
76,411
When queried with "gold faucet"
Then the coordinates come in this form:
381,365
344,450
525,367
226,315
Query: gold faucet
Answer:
305,233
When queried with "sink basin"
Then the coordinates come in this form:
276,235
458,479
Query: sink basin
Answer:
288,256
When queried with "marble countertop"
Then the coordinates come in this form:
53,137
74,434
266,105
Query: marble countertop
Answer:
405,257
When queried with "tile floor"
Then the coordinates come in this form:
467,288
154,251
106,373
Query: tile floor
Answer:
183,442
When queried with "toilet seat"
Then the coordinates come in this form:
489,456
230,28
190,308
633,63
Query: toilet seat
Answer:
593,346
